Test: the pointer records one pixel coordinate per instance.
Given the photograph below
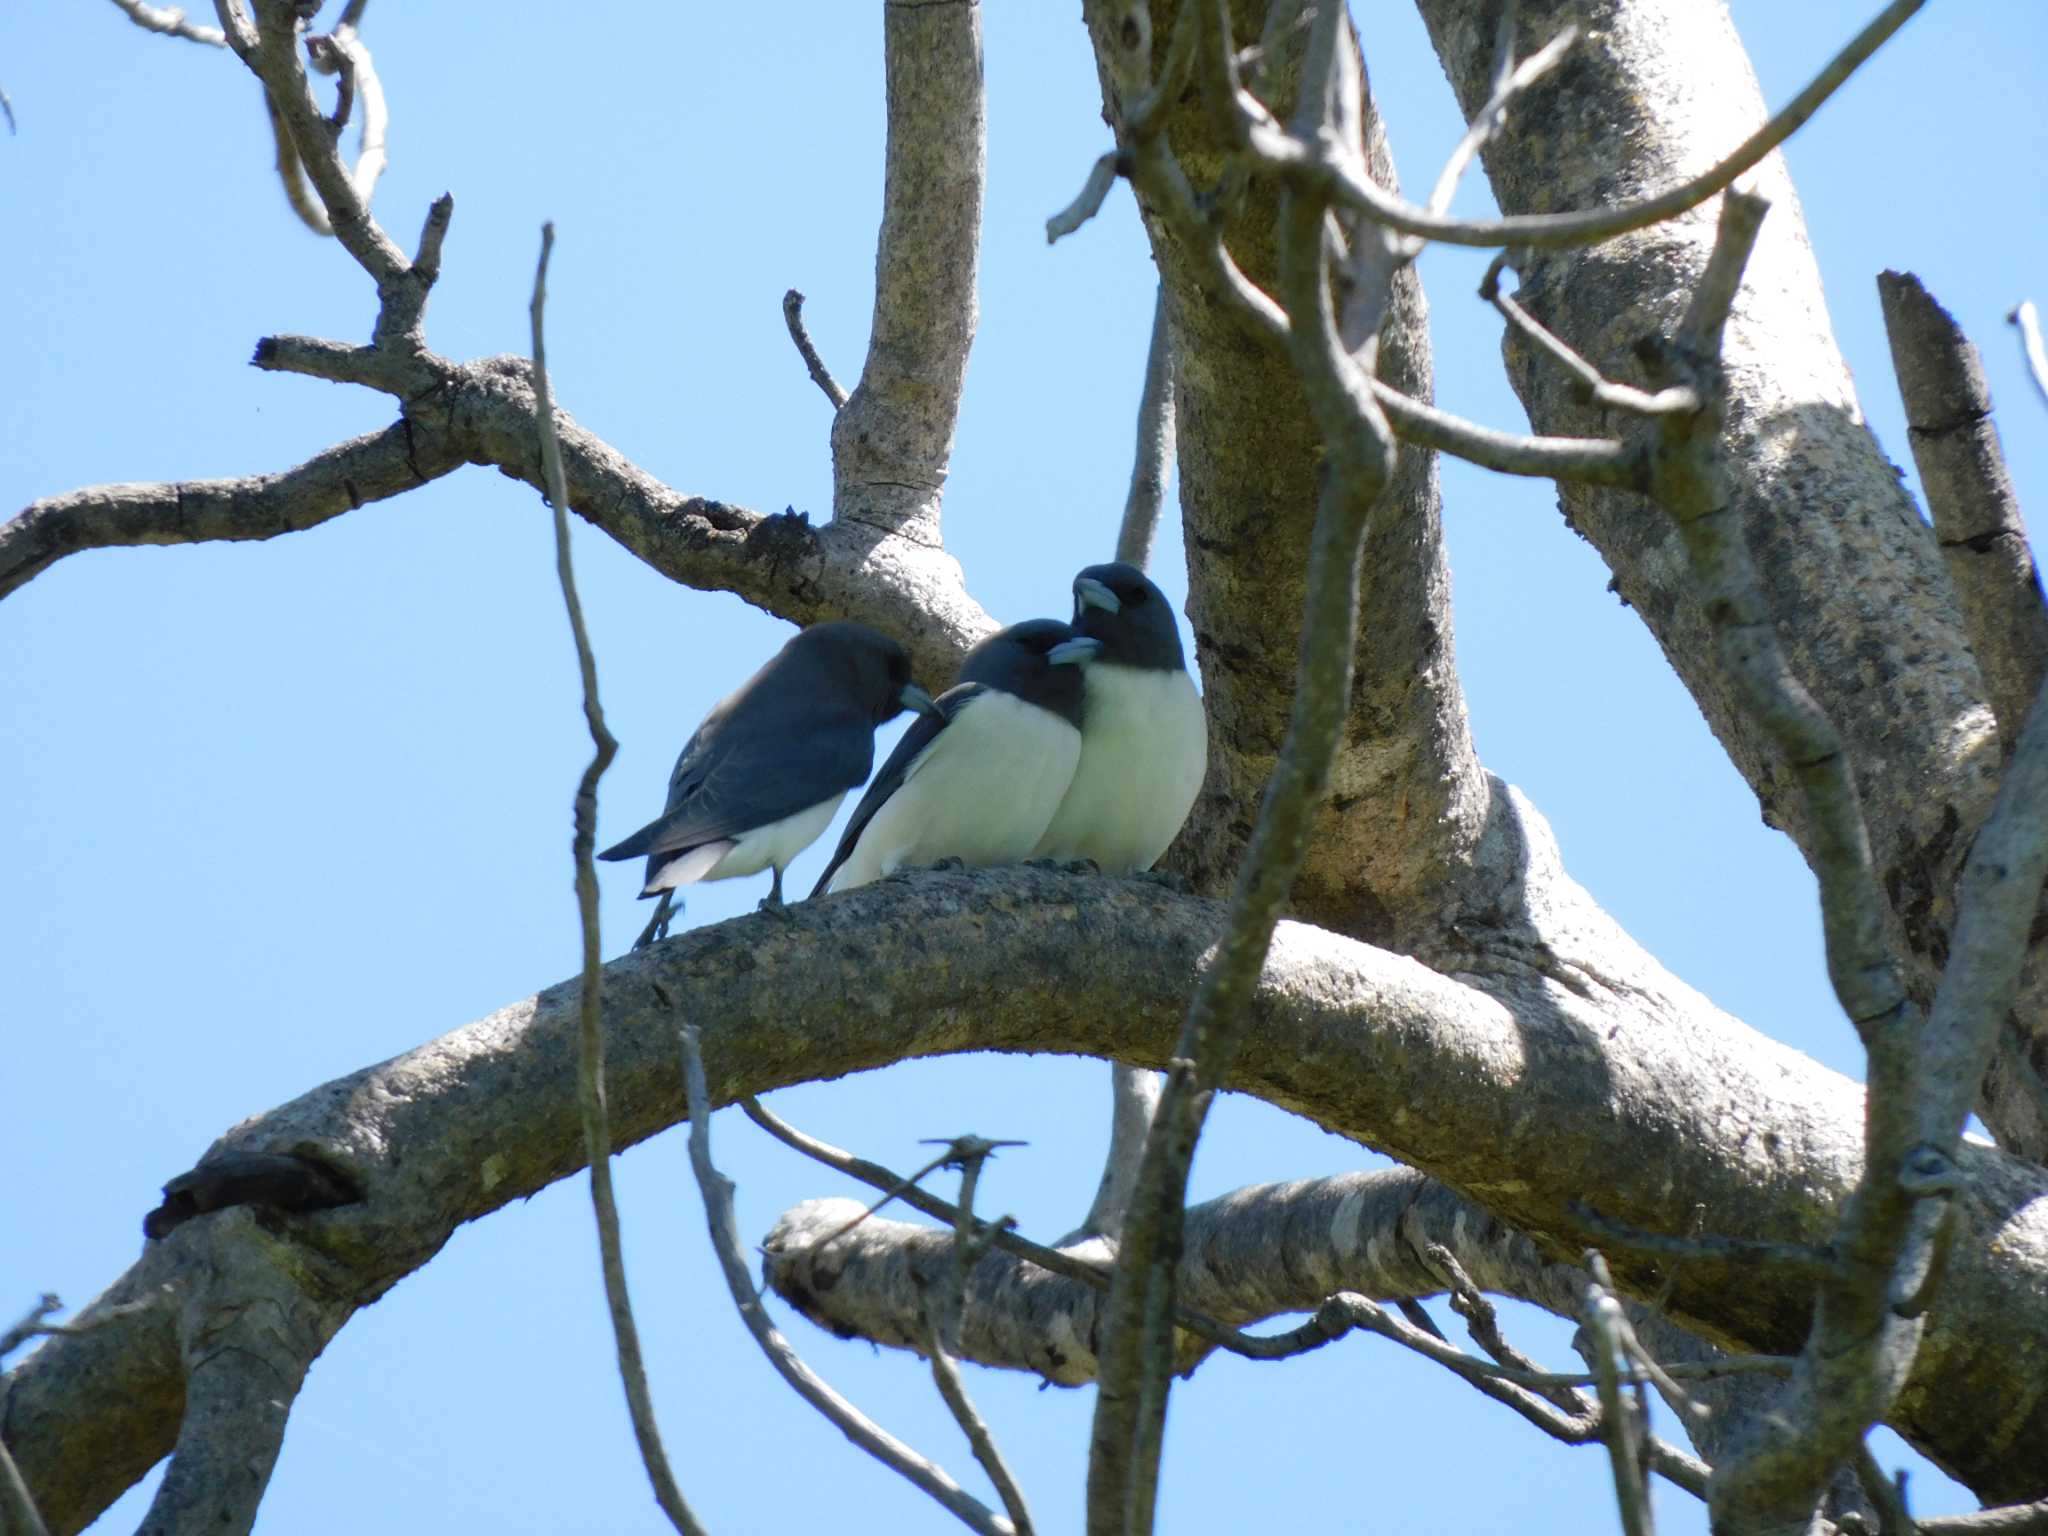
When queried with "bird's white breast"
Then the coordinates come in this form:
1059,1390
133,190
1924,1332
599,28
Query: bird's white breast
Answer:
1144,748
982,792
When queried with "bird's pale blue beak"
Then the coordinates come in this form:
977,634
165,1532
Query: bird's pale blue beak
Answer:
1090,593
1082,648
914,697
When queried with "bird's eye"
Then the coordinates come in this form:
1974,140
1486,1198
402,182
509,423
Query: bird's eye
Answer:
1134,595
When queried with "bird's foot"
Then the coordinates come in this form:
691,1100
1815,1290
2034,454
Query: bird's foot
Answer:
1081,867
657,926
949,864
775,906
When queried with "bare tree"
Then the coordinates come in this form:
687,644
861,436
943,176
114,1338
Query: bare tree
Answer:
1363,925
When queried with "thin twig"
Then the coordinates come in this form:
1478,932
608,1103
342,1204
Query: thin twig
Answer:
895,1191
850,1421
1509,82
944,1336
1136,1359
342,52
18,1513
1483,1323
2028,321
32,1325
170,21
1153,461
2002,1520
1347,1310
1894,1518
273,55
1087,202
291,171
1350,186
1593,385
590,1094
1604,1321
7,111
1718,1250
793,317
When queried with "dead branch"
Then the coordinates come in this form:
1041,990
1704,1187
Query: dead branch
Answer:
590,1076
850,1421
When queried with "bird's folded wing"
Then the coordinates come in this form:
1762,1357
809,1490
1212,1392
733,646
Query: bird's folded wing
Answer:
924,730
729,782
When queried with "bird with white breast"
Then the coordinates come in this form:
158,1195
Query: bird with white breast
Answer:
1144,738
980,780
763,775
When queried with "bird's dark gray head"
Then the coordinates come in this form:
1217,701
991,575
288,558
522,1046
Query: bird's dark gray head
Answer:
1118,605
872,668
1040,661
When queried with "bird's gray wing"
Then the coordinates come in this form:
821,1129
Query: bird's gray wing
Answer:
924,730
737,774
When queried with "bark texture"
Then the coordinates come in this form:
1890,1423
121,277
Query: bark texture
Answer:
1406,796
1970,495
1659,90
1607,1076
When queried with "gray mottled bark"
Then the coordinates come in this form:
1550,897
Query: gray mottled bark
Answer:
1969,495
1248,1255
1853,577
1595,1071
892,441
1406,798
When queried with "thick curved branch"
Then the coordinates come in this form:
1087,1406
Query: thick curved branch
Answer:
893,439
1597,1076
370,468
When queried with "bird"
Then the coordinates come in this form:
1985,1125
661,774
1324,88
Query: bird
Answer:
977,781
1144,738
1144,749
764,774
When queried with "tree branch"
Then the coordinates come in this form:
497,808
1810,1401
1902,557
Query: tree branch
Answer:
1862,609
849,1420
1131,1396
1970,496
892,440
590,1083
1670,1099
370,468
1152,464
1366,197
2026,319
793,318
170,20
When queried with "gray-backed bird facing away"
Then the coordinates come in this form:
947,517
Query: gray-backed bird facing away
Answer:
765,772
979,782
1144,740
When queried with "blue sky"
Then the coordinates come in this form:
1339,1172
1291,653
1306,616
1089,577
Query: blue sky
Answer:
281,810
